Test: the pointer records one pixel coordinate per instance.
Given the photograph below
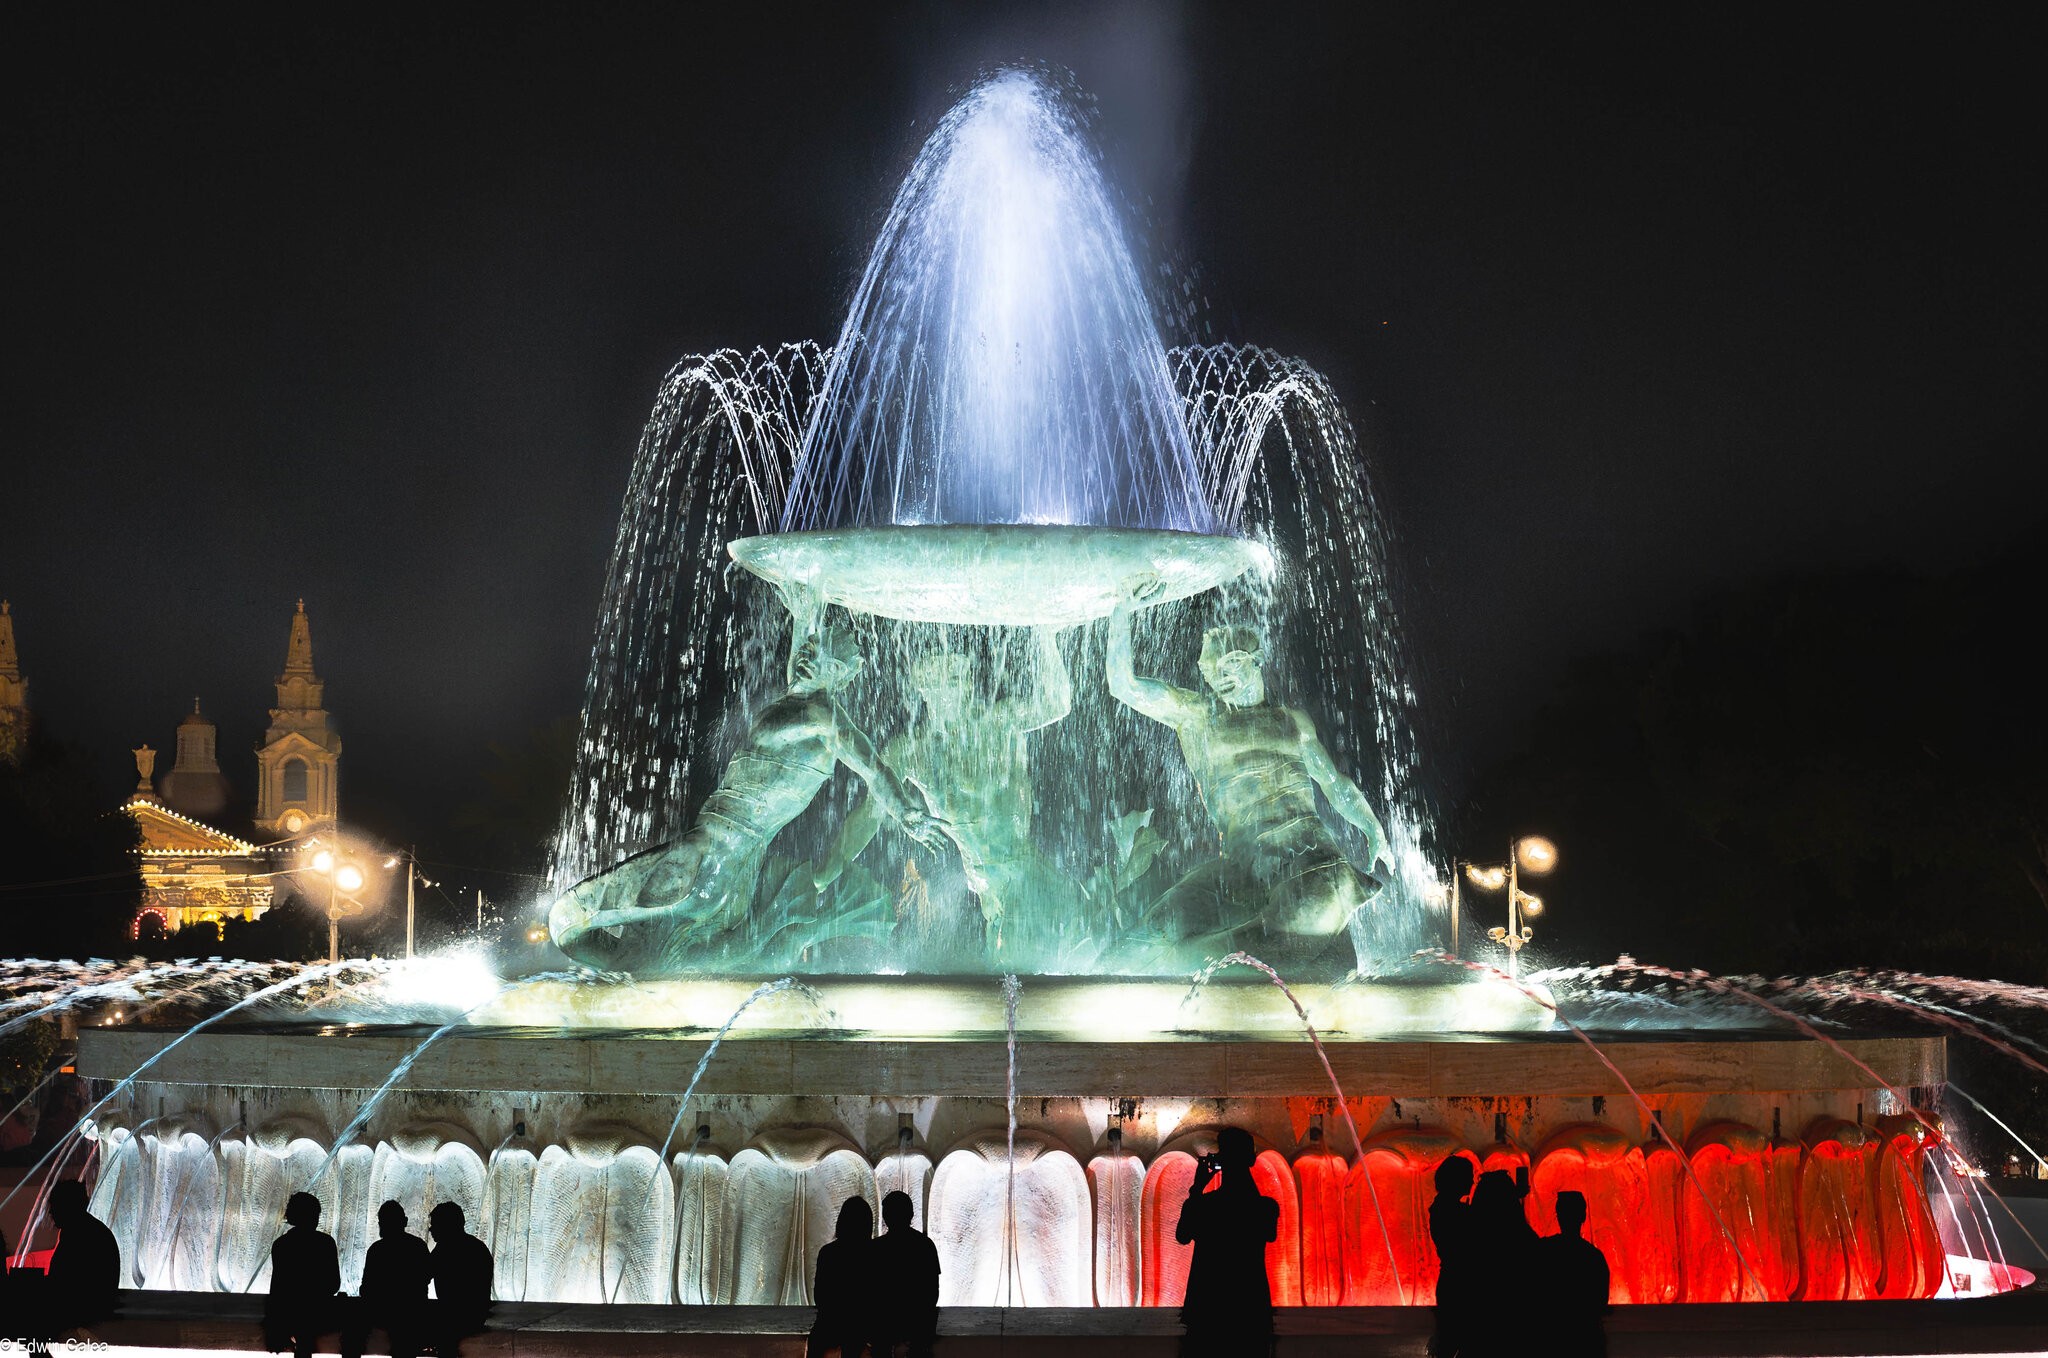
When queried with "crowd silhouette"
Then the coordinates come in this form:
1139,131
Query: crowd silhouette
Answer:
876,1293
306,1303
1498,1284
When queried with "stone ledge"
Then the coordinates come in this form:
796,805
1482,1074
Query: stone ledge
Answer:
524,1062
2013,1324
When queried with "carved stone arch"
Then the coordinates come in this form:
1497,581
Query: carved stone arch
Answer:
784,1192
604,1206
1012,1232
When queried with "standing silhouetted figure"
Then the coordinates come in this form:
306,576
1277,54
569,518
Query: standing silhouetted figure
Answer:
1229,1304
843,1285
393,1297
1503,1253
1572,1273
906,1272
463,1273
305,1276
1458,1286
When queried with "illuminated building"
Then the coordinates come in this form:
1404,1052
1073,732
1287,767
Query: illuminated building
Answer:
194,871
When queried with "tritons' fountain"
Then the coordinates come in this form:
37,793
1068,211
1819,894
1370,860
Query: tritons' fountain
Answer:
1000,641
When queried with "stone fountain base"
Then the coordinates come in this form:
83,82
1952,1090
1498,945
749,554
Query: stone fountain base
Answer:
551,1138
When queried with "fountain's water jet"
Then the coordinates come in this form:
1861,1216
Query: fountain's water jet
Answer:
1642,1104
37,1088
760,992
1966,1025
1000,363
1722,987
1243,959
1013,989
376,1100
1971,1099
312,973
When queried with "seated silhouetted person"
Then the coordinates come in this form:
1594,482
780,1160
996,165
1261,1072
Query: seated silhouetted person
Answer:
305,1278
842,1286
84,1277
393,1296
1503,1250
906,1273
1458,1285
1572,1273
463,1274
1229,1305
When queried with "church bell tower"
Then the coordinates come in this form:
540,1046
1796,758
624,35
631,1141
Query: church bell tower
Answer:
295,764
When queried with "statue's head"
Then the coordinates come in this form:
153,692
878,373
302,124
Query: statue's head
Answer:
945,680
824,659
1230,665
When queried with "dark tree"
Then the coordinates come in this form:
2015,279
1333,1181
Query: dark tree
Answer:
69,877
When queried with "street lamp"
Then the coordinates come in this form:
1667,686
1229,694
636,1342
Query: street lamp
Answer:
344,877
1532,855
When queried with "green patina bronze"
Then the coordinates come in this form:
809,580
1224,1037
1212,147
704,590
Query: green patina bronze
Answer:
1281,877
660,910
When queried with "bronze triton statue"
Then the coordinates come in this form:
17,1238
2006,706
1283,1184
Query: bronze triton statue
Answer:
1259,765
651,912
972,764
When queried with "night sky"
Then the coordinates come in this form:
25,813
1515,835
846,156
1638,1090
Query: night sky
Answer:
370,310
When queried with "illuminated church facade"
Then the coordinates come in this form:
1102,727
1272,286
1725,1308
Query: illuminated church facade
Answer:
194,872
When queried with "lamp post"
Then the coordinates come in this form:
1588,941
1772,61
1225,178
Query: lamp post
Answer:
343,876
1533,855
412,878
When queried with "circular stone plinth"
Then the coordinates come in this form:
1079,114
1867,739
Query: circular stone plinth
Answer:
1008,575
1063,1008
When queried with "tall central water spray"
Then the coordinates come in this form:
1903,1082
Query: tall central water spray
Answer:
999,379
1000,364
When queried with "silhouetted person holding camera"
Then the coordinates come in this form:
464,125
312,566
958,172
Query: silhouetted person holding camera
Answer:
1573,1276
1229,1304
463,1273
843,1284
305,1278
393,1296
906,1282
1458,1285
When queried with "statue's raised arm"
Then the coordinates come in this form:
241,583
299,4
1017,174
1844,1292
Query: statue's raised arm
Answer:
1155,698
884,788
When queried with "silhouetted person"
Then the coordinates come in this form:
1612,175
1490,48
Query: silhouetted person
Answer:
393,1297
843,1285
1458,1285
1572,1275
1229,1305
305,1278
463,1274
906,1272
84,1270
1504,1254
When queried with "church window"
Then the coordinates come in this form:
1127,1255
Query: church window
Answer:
294,773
